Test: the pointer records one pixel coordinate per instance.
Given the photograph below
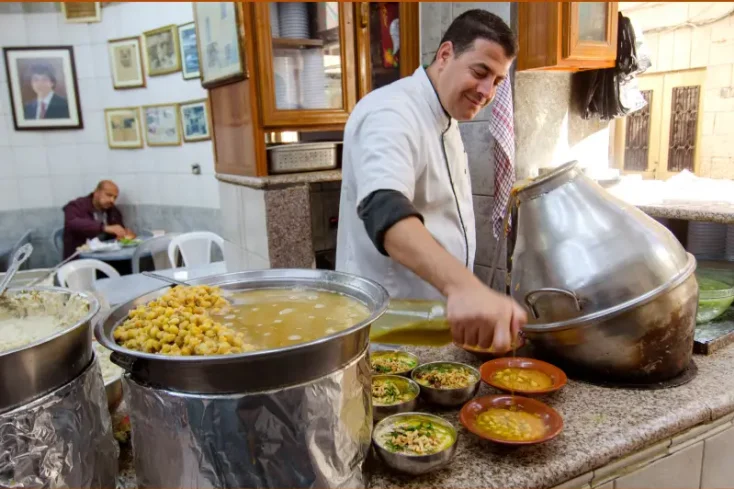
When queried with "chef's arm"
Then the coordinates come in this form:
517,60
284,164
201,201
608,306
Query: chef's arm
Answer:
478,315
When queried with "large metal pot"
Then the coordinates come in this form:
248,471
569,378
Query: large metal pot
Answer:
298,416
610,291
33,370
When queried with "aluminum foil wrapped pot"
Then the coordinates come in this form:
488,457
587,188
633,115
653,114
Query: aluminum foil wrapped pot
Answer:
62,439
610,292
297,416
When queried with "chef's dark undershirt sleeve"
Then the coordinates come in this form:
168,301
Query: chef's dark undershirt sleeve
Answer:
381,210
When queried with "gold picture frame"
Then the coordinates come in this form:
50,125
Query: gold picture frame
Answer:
161,49
126,61
162,124
123,128
191,120
229,32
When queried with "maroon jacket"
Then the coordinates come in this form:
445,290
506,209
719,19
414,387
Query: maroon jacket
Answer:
79,223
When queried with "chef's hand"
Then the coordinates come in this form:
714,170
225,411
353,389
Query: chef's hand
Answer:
481,317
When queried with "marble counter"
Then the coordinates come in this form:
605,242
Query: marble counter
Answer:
284,180
602,425
721,213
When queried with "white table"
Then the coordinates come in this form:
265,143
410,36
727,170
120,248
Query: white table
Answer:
126,288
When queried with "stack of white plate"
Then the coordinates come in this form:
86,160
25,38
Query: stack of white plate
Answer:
707,239
274,20
730,242
293,20
286,87
313,80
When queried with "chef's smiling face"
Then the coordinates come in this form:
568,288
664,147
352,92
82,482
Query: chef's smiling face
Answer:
467,83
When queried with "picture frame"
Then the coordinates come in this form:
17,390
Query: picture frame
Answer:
162,54
196,122
126,63
189,51
162,125
219,42
44,90
123,128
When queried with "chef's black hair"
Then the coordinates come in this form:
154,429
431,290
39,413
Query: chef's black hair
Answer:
479,24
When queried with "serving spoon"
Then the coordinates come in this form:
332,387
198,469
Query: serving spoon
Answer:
20,256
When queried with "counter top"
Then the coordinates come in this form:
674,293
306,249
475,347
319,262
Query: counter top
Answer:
278,181
721,213
601,425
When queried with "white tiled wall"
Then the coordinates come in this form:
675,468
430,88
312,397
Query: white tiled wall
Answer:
40,169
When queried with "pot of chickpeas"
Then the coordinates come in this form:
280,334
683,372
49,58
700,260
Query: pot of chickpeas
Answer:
255,373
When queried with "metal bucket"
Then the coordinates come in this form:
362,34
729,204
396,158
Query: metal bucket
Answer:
62,439
298,416
610,291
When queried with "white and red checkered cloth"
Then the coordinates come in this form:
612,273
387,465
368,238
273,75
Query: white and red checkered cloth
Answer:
502,129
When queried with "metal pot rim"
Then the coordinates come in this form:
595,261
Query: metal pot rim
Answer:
273,275
618,309
530,191
93,310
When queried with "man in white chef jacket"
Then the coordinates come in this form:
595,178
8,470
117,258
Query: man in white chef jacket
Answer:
406,218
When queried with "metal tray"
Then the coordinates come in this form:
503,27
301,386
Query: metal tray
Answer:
299,157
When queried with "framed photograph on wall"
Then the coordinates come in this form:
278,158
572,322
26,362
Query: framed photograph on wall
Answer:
123,128
44,93
126,63
221,57
195,120
189,52
162,125
162,54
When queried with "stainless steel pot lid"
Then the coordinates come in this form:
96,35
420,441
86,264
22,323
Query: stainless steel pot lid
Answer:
580,252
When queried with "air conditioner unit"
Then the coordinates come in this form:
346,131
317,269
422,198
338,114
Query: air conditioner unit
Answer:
75,12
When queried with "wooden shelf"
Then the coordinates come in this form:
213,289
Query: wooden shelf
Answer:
281,42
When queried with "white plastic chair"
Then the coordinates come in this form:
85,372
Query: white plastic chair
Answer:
195,248
81,274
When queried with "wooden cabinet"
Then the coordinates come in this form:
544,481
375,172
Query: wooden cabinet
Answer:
380,26
567,36
308,63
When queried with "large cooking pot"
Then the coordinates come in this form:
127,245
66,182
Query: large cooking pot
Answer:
33,370
298,416
610,292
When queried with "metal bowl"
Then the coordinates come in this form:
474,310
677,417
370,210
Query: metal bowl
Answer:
35,369
400,353
255,370
448,397
414,464
381,411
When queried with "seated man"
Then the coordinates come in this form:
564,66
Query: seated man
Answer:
94,215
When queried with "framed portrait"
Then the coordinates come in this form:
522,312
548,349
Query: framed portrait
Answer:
195,120
189,52
44,93
221,58
123,128
162,54
162,125
126,63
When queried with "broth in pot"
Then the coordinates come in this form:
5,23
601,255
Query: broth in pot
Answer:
275,318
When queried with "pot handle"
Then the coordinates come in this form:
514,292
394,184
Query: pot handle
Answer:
530,298
124,361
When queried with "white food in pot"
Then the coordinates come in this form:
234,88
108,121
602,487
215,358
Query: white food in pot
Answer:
110,371
38,315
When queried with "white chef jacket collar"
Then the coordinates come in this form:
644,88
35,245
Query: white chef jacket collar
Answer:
442,117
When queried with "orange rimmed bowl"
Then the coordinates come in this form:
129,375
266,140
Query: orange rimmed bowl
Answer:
552,421
485,353
490,368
